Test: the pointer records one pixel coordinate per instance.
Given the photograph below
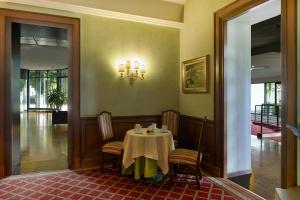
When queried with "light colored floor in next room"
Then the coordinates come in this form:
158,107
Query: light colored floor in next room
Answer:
266,163
43,146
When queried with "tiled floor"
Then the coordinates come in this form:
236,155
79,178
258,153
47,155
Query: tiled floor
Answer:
266,162
93,184
43,146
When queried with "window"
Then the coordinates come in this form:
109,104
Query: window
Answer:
39,83
257,95
265,93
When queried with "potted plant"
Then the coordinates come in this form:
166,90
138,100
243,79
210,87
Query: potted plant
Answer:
56,99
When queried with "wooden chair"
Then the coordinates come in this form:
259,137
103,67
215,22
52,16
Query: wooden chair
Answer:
187,157
109,144
170,118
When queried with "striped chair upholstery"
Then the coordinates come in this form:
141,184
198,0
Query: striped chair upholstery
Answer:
184,156
109,145
170,118
113,147
105,127
189,157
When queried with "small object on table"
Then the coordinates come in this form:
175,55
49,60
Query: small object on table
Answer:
137,126
138,129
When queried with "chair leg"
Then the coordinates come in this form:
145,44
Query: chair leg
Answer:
198,176
120,165
176,166
171,172
102,161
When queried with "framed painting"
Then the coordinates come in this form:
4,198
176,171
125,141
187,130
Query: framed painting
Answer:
195,75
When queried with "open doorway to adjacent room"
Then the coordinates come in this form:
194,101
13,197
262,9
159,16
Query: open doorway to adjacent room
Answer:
252,119
42,73
266,107
34,138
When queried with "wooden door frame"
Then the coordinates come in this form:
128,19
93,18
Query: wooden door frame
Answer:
7,17
289,81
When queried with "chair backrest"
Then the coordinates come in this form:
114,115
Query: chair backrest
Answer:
200,139
105,126
171,119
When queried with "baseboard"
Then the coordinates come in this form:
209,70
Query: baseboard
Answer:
2,174
242,178
211,169
239,173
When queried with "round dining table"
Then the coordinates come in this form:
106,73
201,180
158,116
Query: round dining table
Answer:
147,150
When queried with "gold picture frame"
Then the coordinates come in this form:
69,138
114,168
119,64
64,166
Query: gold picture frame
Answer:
195,75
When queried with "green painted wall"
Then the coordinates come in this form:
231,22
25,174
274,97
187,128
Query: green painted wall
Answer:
197,39
104,41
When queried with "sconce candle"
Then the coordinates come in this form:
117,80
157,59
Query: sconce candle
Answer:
133,69
143,70
128,65
121,68
136,65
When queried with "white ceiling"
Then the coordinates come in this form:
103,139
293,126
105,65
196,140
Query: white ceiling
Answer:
35,57
270,64
265,11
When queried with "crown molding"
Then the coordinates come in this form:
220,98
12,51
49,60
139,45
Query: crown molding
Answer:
182,2
97,12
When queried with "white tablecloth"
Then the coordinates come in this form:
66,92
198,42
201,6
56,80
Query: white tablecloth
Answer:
156,146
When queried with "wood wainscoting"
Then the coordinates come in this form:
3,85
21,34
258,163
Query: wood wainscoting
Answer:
189,128
90,137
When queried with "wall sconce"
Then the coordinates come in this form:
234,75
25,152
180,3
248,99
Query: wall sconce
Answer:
133,70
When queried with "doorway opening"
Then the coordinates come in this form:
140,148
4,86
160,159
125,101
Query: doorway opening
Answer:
249,58
41,67
11,90
266,106
233,85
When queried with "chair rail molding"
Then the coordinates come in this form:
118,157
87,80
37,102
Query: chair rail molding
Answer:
97,12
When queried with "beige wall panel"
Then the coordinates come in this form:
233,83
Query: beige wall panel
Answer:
197,39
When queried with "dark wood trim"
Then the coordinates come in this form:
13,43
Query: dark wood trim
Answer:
289,88
8,17
130,119
2,94
288,45
196,118
7,101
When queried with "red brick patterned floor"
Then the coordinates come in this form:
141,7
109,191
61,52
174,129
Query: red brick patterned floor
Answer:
93,184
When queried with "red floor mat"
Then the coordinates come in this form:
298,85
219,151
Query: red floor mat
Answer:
255,129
